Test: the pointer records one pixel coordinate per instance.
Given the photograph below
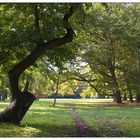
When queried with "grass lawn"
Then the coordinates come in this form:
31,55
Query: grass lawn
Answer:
41,121
45,121
105,120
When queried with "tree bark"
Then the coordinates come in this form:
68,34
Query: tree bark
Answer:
17,108
117,96
21,101
138,96
114,98
138,87
26,86
130,93
129,89
116,89
130,97
57,87
54,101
124,97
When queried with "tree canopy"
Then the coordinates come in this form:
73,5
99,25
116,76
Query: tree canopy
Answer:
93,49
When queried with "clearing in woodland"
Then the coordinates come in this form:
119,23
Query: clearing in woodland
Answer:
76,118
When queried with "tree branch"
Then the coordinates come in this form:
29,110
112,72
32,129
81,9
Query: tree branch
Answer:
88,81
100,71
15,73
36,16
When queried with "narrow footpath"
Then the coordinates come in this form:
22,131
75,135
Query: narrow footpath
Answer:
81,126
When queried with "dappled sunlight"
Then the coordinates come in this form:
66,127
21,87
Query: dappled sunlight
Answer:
8,130
69,68
43,120
109,121
76,101
46,121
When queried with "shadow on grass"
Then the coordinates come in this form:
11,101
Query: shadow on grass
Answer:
51,122
55,110
49,130
99,104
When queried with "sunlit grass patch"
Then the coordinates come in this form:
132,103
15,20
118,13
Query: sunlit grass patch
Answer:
8,130
43,120
106,119
52,121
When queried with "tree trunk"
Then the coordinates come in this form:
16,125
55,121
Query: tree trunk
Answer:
129,90
21,101
118,96
26,86
114,98
138,88
124,97
130,97
57,87
116,89
17,108
54,103
130,94
138,96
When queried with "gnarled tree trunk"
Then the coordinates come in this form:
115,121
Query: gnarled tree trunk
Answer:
21,101
17,108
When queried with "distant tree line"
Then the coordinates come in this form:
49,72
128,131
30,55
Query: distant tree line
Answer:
69,96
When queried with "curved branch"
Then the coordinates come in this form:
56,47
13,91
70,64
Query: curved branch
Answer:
15,73
36,18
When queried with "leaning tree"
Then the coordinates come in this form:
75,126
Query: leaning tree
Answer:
28,31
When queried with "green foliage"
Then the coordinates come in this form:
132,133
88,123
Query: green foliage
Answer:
102,32
19,37
111,32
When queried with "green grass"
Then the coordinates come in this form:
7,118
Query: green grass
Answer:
50,121
78,101
104,119
42,120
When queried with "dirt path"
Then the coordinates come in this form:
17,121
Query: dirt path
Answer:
81,126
